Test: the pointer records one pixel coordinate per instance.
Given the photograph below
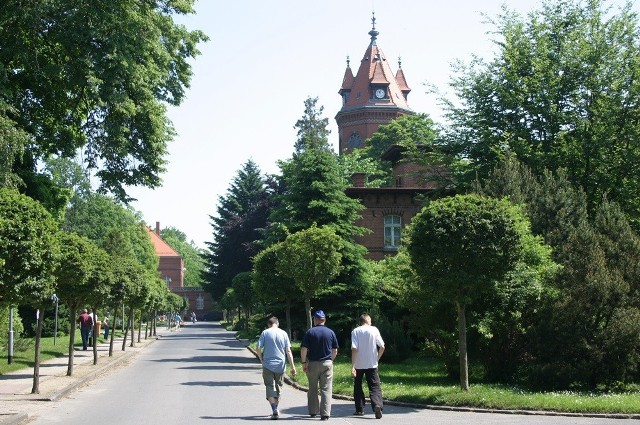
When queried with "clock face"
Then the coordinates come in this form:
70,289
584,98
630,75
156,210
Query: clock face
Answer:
380,93
355,141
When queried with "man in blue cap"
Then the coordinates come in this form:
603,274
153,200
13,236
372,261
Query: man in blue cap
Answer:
319,348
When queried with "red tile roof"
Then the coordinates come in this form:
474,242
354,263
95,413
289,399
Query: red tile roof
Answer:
162,248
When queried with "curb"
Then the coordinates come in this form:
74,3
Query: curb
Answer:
297,386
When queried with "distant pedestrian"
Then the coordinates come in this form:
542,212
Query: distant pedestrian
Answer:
274,349
319,349
86,324
193,317
105,323
367,347
178,321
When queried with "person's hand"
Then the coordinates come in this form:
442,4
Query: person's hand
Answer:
305,367
353,372
294,372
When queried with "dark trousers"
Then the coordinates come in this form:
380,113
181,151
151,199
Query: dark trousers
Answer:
84,334
375,392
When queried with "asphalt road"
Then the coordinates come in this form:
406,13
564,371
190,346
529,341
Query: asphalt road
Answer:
203,375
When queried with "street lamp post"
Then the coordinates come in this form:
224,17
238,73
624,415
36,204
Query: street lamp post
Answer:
55,299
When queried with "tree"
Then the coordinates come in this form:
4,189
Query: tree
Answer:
561,91
460,246
12,143
73,272
312,128
237,228
241,285
97,217
29,250
193,256
111,69
311,258
270,286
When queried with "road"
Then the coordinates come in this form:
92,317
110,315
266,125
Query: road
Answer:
203,375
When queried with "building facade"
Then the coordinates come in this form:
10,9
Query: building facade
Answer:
171,270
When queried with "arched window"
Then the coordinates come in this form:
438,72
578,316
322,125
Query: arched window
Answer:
392,231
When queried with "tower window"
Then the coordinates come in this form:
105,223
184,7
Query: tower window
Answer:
392,231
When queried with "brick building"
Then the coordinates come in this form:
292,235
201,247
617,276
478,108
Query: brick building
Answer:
171,270
371,98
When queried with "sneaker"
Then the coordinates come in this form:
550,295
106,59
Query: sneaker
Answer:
358,413
324,418
275,415
378,412
313,415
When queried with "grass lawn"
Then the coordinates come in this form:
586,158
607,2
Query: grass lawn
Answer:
23,351
424,381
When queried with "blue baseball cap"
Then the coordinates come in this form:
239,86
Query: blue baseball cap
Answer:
319,314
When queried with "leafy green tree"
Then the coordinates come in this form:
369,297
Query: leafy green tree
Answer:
241,285
12,143
73,272
241,217
561,91
571,343
98,216
312,128
461,245
311,257
29,250
193,256
270,286
111,69
313,191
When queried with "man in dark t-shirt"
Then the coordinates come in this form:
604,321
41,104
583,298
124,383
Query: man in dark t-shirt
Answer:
86,324
318,350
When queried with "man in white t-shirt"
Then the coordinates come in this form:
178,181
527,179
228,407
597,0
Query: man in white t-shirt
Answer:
367,347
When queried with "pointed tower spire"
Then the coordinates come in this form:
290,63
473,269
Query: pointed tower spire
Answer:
373,33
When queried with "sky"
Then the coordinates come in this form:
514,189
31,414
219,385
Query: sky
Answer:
265,58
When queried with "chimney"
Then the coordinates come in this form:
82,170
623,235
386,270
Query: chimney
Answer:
158,228
357,179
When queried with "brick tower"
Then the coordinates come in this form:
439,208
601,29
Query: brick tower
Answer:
372,98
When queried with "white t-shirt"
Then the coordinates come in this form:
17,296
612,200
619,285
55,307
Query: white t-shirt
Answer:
366,339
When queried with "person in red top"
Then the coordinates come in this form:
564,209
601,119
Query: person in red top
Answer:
86,324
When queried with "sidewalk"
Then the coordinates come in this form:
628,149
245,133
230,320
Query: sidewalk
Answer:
16,400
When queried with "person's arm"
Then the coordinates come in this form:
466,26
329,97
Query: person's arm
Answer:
259,353
303,358
334,353
291,362
354,352
380,351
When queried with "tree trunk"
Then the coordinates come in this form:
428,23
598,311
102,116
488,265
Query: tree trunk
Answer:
72,339
462,346
133,327
112,333
94,338
36,359
155,322
287,314
307,306
126,332
140,328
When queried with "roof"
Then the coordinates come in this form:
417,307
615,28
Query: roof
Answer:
374,70
161,247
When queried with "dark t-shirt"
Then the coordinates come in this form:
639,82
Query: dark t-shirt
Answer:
319,340
86,321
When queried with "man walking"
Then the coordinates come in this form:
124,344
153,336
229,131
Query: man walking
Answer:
367,347
86,325
274,349
319,348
